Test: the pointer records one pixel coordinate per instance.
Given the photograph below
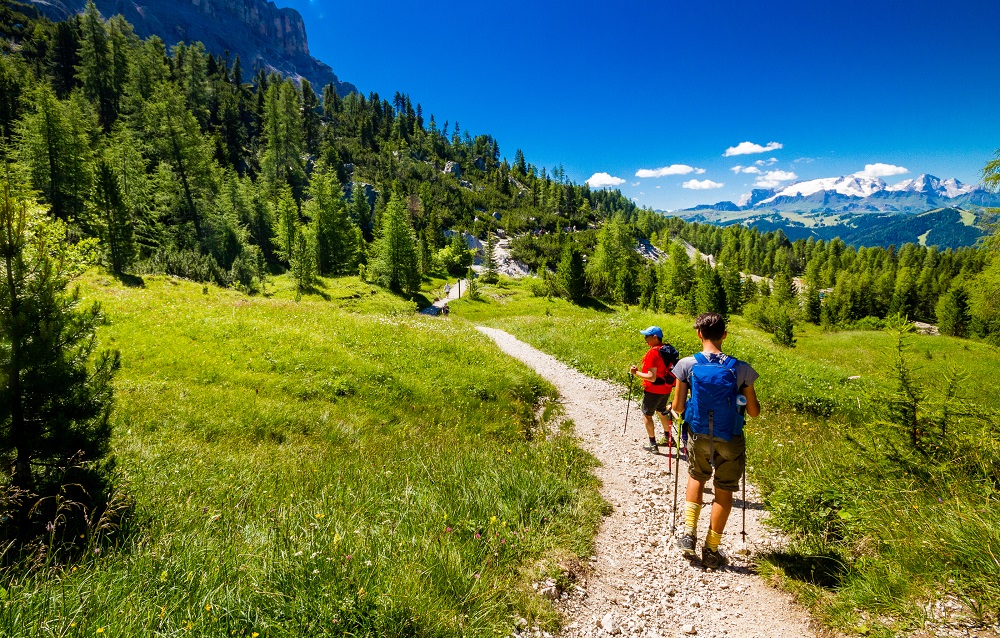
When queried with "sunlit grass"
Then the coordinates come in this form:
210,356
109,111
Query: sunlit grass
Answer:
337,465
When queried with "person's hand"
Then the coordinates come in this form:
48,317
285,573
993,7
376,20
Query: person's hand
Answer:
633,369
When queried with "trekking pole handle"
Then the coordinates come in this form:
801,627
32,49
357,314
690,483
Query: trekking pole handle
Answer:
741,404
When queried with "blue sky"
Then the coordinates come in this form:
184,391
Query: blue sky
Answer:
658,88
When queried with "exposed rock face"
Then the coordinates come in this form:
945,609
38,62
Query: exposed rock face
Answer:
452,168
258,31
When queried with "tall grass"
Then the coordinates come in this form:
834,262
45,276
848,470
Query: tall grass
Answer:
872,539
333,466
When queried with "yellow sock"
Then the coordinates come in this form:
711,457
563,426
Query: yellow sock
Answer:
713,539
691,512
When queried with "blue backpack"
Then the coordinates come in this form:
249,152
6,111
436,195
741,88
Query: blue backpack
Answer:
712,409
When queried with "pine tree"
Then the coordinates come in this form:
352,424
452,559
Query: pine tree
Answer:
284,143
55,405
490,275
303,260
710,296
953,312
396,266
570,274
54,146
97,68
337,239
116,222
473,285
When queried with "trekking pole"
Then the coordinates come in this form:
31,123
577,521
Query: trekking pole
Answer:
673,523
628,402
741,406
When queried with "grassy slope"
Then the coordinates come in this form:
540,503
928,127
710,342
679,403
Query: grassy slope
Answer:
868,543
315,467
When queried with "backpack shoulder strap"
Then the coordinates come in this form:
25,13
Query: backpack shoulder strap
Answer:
700,358
731,363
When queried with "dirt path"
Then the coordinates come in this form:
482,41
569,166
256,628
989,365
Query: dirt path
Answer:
638,576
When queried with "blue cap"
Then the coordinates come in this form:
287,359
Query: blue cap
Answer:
652,331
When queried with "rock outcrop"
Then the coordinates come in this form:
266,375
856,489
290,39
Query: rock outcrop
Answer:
262,34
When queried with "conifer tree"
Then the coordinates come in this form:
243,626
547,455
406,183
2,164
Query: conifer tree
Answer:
473,284
284,143
953,312
490,275
337,239
54,146
55,405
116,222
395,265
710,296
97,69
570,274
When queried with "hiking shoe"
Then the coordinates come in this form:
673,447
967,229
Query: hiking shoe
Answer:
666,441
652,448
687,543
713,559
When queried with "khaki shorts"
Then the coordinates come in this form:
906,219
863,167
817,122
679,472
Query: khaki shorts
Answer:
730,459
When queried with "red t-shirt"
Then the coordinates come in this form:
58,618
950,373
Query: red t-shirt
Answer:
650,361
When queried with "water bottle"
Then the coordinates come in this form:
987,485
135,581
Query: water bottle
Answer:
741,404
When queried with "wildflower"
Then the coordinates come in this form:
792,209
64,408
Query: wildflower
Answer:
493,520
476,575
321,515
50,527
503,541
298,553
163,576
208,607
72,624
478,535
254,635
448,530
315,571
368,563
100,630
348,557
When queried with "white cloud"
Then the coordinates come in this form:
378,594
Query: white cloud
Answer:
772,179
753,170
699,171
636,183
673,169
804,160
771,161
602,180
704,184
881,170
749,148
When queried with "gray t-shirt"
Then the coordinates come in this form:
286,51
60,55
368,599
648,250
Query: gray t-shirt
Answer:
745,374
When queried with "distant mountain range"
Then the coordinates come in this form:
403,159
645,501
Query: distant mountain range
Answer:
258,31
862,210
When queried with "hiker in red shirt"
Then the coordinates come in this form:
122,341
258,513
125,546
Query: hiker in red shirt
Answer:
657,382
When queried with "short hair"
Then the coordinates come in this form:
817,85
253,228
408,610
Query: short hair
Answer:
711,324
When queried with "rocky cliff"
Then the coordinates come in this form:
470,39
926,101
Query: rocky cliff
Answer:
259,32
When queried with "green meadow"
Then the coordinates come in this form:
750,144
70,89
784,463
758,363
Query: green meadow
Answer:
877,530
334,466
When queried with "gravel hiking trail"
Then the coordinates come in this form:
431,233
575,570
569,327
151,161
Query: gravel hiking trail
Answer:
638,583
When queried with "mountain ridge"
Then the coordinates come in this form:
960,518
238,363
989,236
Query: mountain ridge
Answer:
260,32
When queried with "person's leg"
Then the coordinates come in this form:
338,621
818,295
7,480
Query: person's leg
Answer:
650,430
649,401
666,424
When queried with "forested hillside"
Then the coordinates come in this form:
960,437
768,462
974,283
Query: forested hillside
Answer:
186,163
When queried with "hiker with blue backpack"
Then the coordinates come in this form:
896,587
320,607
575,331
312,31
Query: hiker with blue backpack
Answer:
722,393
657,382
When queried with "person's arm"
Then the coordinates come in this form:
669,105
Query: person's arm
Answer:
680,398
645,376
753,405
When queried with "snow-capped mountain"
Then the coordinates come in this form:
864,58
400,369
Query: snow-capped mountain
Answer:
866,209
859,194
862,187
